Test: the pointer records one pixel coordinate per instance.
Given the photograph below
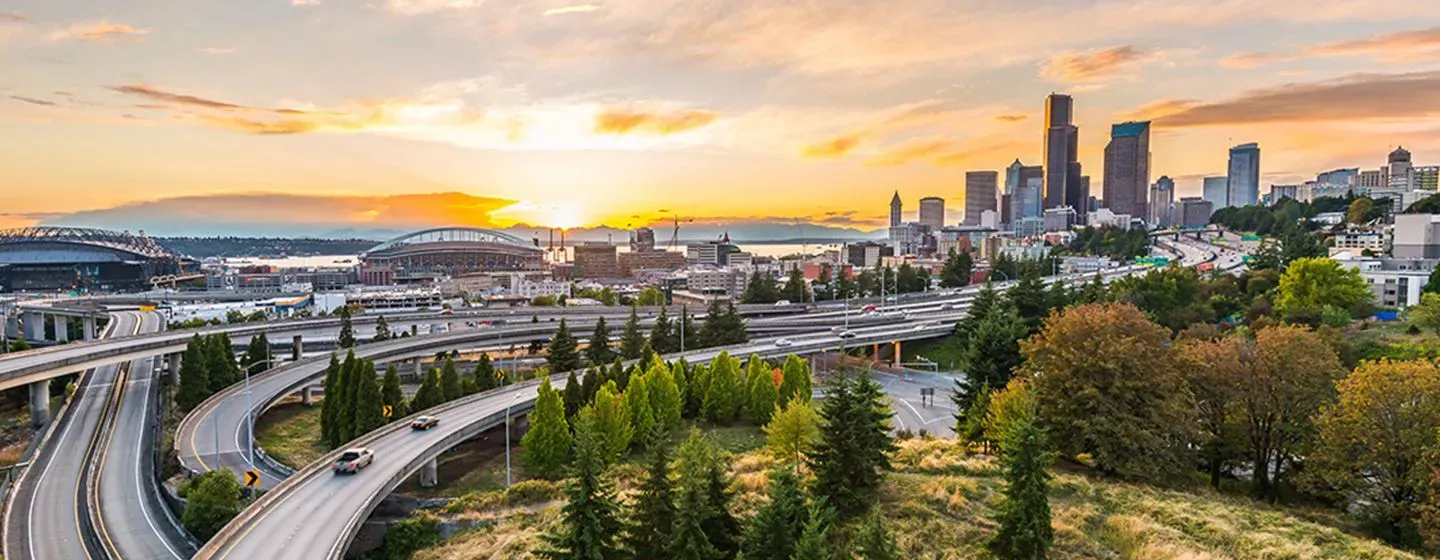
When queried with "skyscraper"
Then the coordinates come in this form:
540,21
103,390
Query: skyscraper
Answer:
895,210
1062,146
1398,170
1244,183
1162,199
932,212
979,194
1127,169
1012,177
1217,191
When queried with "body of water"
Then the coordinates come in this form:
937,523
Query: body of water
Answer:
342,261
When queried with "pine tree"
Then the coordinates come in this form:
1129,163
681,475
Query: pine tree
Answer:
690,540
853,444
699,385
598,351
194,375
548,441
1024,516
637,401
347,329
680,371
632,339
777,525
991,352
484,374
1030,300
957,269
652,517
760,289
590,521
795,288
687,332
720,526
563,354
370,405
257,355
664,396
721,390
590,384
986,299
970,420
763,393
574,396
874,543
382,329
450,385
352,398
328,406
794,380
662,338
219,362
611,413
391,394
430,394
813,544
344,414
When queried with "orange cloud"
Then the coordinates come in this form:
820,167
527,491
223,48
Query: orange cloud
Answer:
912,151
1075,67
150,92
1350,98
1250,60
622,121
836,147
1010,118
1404,45
101,32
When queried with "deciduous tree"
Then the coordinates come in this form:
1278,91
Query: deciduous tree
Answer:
211,500
1293,377
637,402
793,431
1317,283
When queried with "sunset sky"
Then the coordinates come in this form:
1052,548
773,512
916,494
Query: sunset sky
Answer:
172,114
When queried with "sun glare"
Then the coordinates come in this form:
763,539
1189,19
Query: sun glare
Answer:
564,217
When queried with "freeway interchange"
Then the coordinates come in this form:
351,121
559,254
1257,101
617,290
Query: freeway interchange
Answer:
108,505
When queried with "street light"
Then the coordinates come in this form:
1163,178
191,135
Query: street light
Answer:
249,412
507,438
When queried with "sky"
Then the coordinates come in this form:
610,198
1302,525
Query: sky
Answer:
221,116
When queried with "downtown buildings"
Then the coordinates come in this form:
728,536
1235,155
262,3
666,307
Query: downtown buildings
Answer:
1063,183
1244,175
1127,169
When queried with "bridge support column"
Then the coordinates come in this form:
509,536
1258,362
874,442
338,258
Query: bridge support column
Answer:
897,354
307,396
875,352
34,326
174,367
39,404
414,329
297,348
418,371
89,323
62,328
429,474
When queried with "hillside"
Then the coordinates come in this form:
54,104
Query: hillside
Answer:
940,499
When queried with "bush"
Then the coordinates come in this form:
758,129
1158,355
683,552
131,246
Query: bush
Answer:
409,535
211,500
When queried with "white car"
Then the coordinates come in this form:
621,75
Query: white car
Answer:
782,303
352,460
845,334
782,343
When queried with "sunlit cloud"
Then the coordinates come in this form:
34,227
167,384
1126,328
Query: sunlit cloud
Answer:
1010,118
917,150
33,101
1355,97
575,9
414,7
305,2
215,50
13,17
100,32
1078,67
621,121
836,147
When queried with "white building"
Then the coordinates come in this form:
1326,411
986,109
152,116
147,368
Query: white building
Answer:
1416,236
1395,282
1103,217
521,286
729,281
1358,241
990,219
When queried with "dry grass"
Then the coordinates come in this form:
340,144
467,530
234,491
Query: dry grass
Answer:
290,433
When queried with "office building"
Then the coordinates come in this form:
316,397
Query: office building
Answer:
932,212
1357,242
1006,208
1397,170
1194,212
979,194
713,253
635,261
1217,191
867,254
1371,179
1416,236
1012,177
1425,178
1127,169
1080,199
1060,219
1162,202
1394,282
1244,185
727,281
1061,152
1339,177
895,207
597,260
1282,192
642,239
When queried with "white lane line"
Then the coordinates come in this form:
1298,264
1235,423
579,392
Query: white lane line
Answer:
139,466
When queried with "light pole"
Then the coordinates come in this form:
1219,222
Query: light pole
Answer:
249,412
507,438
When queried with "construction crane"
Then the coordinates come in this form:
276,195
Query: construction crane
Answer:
675,233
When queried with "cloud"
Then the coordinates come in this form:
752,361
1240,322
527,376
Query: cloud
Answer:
33,101
1401,46
305,2
836,147
149,92
914,150
416,7
100,32
215,50
1251,60
13,17
1350,98
1010,118
575,9
622,121
1078,67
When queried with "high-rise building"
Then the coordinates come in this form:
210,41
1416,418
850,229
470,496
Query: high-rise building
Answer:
1061,146
1028,199
1217,191
932,212
1127,169
1399,170
1244,186
1194,212
1339,177
1162,199
597,260
1012,177
642,239
895,210
979,194
1427,177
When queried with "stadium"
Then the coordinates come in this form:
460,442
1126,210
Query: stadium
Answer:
428,255
81,259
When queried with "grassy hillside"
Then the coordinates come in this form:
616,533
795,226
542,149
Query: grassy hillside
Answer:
941,498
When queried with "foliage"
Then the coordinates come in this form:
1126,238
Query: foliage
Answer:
795,380
1293,376
1317,283
970,420
220,363
1214,370
690,540
430,394
194,375
795,288
854,444
1122,244
347,328
652,511
723,326
1170,296
257,355
665,399
1029,297
723,389
391,394
409,535
874,541
484,374
957,269
450,383
793,431
382,329
548,441
1374,440
637,403
760,289
212,499
777,525
1426,314
991,352
1024,517
369,405
590,524
329,422
574,396
662,337
1107,386
613,425
598,350
632,338
813,543
562,354
762,392
1007,412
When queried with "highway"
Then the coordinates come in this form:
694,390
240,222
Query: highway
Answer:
47,516
131,520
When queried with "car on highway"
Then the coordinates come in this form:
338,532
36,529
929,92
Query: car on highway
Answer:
352,460
424,423
782,303
782,343
845,334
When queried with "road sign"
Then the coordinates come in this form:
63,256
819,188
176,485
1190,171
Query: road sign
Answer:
389,411
252,478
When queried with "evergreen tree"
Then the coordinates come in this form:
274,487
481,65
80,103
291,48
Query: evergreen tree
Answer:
349,428
688,336
652,517
722,389
430,394
760,289
813,544
720,526
957,270
370,405
612,421
763,393
194,375
450,384
985,300
853,444
991,352
637,400
563,354
344,415
257,355
382,329
1030,300
664,393
632,339
1059,297
795,287
391,394
215,368
794,379
698,385
777,525
681,372
874,543
1024,516
662,338
484,374
598,351
328,406
590,384
970,418
647,353
347,330
574,396
690,540
590,521
548,441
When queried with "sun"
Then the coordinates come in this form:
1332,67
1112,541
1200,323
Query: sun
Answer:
564,216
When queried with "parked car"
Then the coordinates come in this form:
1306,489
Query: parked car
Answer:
352,460
424,423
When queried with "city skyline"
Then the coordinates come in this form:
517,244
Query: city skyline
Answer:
407,113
